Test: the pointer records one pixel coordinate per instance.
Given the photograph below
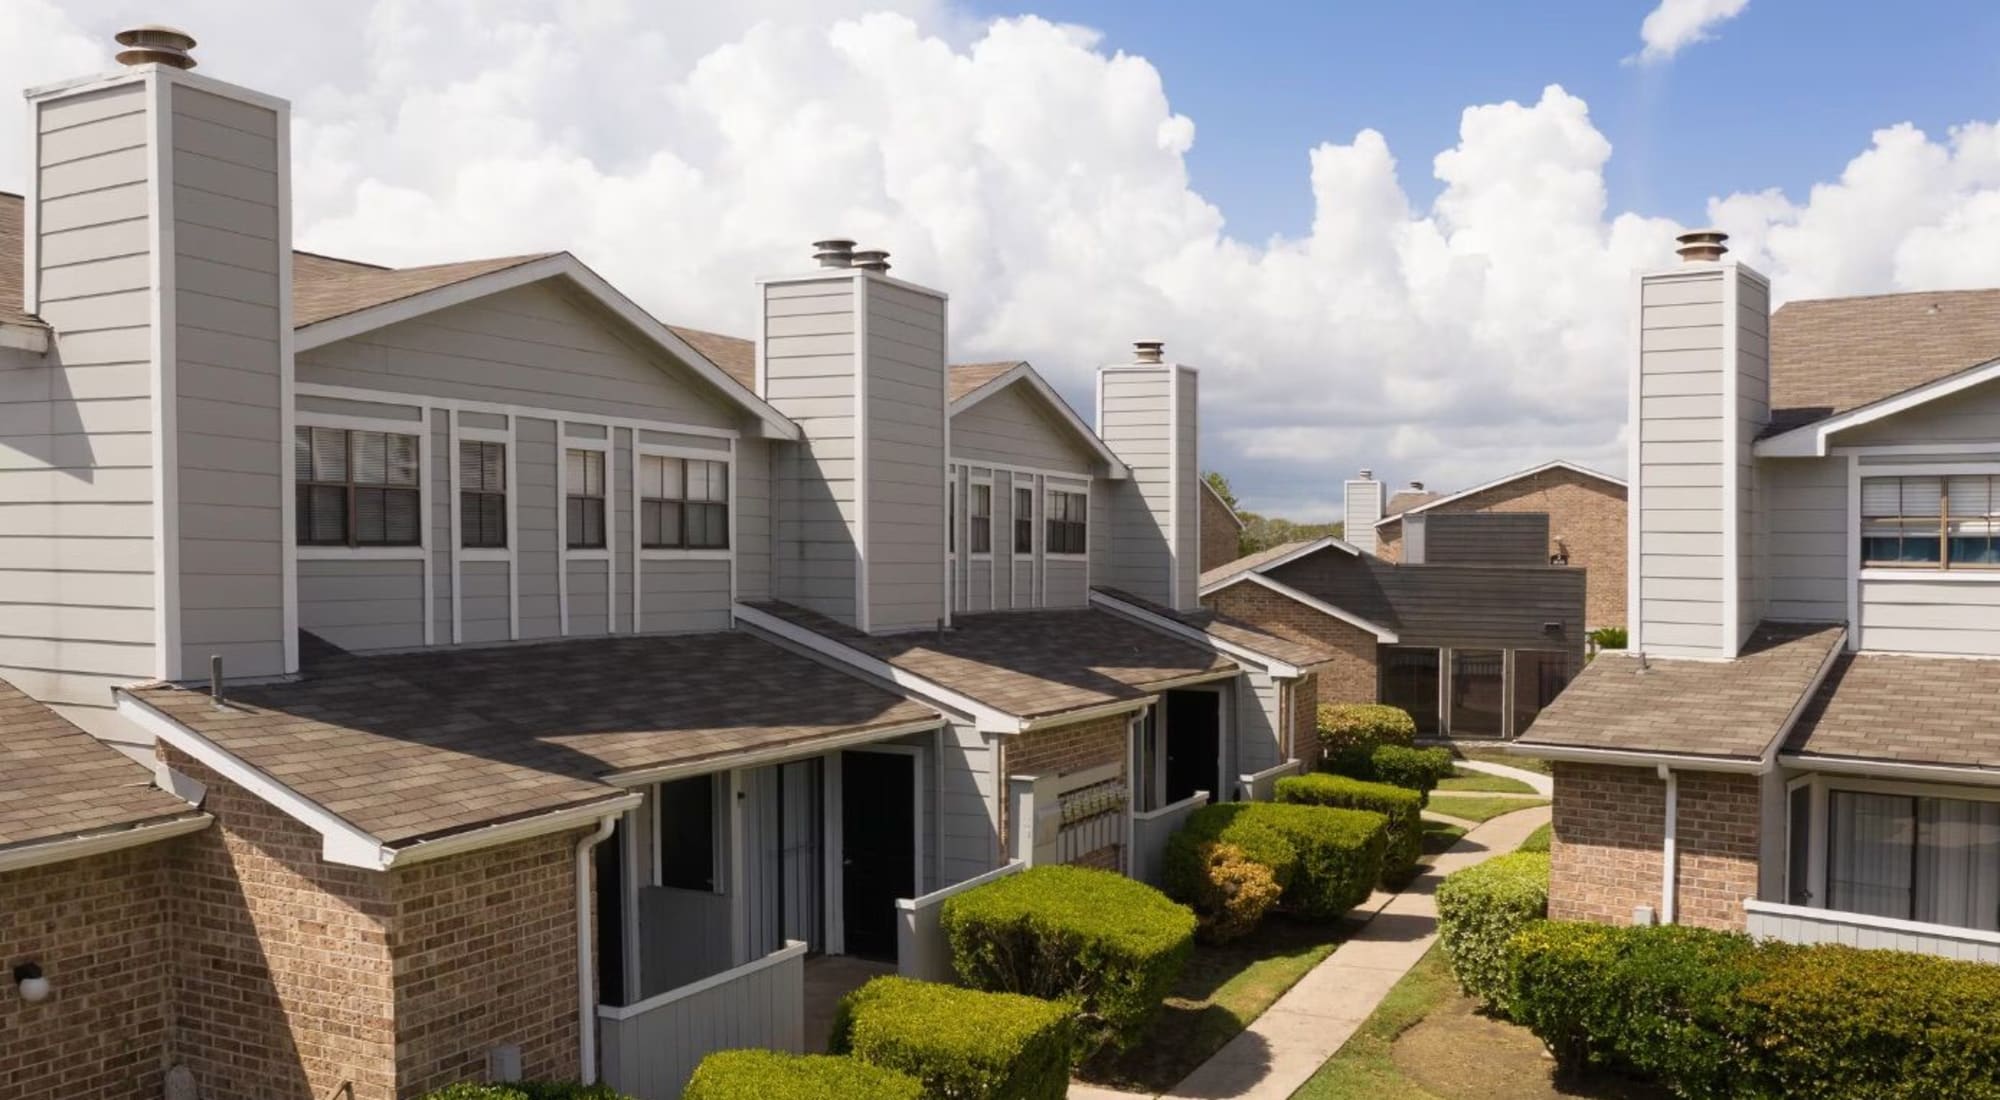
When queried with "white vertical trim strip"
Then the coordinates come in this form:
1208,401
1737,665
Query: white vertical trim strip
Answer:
861,473
734,547
1173,498
288,411
1853,578
166,452
31,216
944,400
457,535
1635,474
637,584
514,526
426,527
1732,473
611,526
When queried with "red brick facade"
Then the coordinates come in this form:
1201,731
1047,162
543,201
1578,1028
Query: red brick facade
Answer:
1609,839
99,929
1065,750
1348,678
1302,740
1586,513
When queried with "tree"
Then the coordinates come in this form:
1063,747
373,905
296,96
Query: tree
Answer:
1221,486
1264,532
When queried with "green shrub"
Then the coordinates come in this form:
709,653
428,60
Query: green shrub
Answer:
476,1092
1554,988
527,1090
1224,823
1609,637
1479,911
1109,946
1326,861
771,1075
963,1044
1418,770
1359,728
1403,809
1233,894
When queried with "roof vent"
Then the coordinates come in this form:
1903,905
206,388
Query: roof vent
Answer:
1366,474
1149,351
873,259
1417,486
1702,245
834,253
152,44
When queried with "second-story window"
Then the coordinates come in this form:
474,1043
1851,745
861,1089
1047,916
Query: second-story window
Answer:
1024,521
1950,522
1069,521
356,488
482,495
583,488
980,516
683,503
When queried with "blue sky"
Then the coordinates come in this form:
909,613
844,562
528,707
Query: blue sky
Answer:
1782,96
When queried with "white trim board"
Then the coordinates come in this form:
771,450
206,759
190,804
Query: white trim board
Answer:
1811,440
1315,546
1382,633
1555,464
1117,470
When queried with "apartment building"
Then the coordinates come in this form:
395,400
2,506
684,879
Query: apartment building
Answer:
1796,742
455,672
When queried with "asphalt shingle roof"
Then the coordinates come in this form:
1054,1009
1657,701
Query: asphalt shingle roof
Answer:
1729,709
413,745
56,781
1231,630
1249,562
1911,710
1837,354
1030,664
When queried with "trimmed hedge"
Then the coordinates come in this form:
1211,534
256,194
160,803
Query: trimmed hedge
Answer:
1479,911
1326,861
1233,894
1715,1014
771,1075
527,1090
963,1044
1404,810
1109,946
1361,727
1419,770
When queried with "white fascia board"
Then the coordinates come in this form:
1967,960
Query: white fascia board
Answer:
33,339
1276,668
1325,542
1557,464
1811,440
1890,769
1382,633
987,718
777,754
1805,699
775,424
1104,710
1116,469
65,849
1738,765
507,832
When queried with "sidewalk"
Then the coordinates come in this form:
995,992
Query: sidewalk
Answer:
1287,1044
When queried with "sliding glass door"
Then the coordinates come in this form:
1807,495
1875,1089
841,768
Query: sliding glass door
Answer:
1909,857
1478,692
1410,681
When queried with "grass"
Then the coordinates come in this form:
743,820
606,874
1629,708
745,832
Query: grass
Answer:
1537,841
1496,756
1462,780
1365,1068
1476,808
1224,987
1439,835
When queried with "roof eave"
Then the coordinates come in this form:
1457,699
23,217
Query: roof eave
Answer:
1971,774
1554,464
1814,440
33,339
67,848
1383,634
1638,758
1274,666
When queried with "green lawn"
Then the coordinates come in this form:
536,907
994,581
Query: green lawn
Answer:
1538,841
1365,1068
1223,988
1497,756
1439,836
1477,808
1463,780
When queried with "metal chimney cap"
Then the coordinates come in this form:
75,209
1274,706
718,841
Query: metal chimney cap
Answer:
153,44
872,259
1366,474
1417,485
836,252
1702,245
1149,351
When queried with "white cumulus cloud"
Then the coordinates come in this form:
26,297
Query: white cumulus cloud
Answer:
1041,178
1677,24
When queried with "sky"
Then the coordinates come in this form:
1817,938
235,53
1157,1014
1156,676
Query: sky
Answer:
1396,236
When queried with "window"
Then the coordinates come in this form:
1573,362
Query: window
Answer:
1941,522
583,482
482,495
356,488
1409,679
687,833
683,503
1935,860
951,514
1024,521
981,509
1069,520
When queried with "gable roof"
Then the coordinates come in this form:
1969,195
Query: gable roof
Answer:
1435,500
1227,507
1404,500
1835,355
1906,711
973,383
1269,557
1283,657
733,354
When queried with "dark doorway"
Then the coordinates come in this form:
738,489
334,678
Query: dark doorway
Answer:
1410,681
878,827
1194,744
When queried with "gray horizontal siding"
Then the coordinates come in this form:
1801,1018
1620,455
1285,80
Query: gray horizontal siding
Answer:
1012,428
679,596
362,605
1486,538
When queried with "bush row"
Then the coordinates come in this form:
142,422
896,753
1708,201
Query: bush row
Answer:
526,1090
960,1043
1363,727
1324,861
770,1075
1480,909
1403,810
1714,1014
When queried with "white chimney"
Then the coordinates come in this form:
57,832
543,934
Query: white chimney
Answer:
1147,412
1700,396
1363,499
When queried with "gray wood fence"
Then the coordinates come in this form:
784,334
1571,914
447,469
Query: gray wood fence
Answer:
649,1049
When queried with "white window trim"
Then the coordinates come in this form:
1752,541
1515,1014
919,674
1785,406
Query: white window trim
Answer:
421,552
565,554
641,553
1858,573
460,553
972,481
1063,483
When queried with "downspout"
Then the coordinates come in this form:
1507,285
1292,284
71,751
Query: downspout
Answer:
586,988
1668,849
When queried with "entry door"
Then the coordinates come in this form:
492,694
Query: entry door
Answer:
878,836
1194,744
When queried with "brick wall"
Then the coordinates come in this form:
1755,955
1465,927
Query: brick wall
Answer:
1607,849
99,929
484,953
1304,709
1587,514
1220,537
1063,750
1348,678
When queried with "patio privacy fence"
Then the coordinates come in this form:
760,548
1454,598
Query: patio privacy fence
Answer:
1801,924
922,952
1150,830
649,1049
1263,786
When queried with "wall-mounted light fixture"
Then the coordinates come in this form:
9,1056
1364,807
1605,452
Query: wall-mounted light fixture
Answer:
32,985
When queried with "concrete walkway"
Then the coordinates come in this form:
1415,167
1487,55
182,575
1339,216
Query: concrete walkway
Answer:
1544,785
1289,1042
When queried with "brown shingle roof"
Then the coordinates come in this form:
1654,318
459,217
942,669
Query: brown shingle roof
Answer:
1230,630
1837,354
966,377
57,781
1248,562
327,289
413,745
1030,664
1405,499
1731,709
1910,710
736,356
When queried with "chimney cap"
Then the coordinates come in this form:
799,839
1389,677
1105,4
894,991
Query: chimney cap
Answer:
1417,485
1702,245
1366,474
1149,351
871,259
834,252
153,43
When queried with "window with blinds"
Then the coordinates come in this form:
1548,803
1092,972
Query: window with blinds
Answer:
583,487
1068,523
482,495
1933,522
356,488
980,516
1024,521
683,503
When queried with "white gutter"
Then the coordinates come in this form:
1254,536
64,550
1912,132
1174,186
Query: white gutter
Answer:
586,984
1277,669
63,849
1670,849
505,832
1085,714
1739,765
1890,769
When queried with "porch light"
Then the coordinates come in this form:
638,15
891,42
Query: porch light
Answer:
33,986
